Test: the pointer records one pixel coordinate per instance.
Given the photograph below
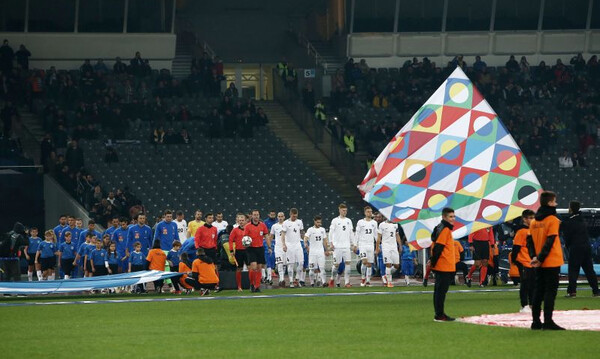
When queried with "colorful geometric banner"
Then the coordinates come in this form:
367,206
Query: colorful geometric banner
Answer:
454,152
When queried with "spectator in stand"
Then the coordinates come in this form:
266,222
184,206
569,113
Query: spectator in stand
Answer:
158,137
23,57
119,67
7,56
261,117
565,161
86,67
291,77
525,70
578,63
308,95
578,160
512,65
136,64
349,141
60,139
231,92
100,67
479,65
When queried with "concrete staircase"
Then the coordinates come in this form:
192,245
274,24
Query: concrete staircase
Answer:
183,60
334,62
33,134
284,127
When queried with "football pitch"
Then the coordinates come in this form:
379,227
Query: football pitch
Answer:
396,323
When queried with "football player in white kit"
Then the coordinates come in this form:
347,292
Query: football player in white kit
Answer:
181,227
275,235
366,233
340,239
315,241
388,240
291,235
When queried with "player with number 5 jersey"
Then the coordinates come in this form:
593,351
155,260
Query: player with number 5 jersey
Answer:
366,233
341,237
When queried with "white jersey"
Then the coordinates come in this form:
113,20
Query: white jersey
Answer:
366,233
340,233
316,236
388,236
220,226
292,231
181,230
276,233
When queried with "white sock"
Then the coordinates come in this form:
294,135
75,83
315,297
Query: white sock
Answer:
30,276
363,271
39,275
333,271
290,268
302,272
388,274
369,271
323,279
281,270
347,274
263,273
67,276
311,276
269,274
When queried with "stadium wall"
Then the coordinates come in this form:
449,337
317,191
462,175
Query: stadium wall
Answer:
68,50
393,49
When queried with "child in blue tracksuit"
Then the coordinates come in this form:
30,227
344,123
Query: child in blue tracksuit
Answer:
83,253
32,247
66,255
46,255
113,258
408,261
137,261
98,260
174,259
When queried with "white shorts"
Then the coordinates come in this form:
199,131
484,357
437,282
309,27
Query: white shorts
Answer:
341,254
280,256
391,256
316,261
368,253
295,254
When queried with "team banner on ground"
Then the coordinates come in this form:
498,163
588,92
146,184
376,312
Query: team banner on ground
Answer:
454,152
83,284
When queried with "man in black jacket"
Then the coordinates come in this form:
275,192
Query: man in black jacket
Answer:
577,242
10,247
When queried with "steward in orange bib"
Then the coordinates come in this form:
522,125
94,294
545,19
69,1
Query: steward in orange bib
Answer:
546,257
443,263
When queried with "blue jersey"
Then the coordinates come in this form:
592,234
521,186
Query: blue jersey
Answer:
85,249
58,230
173,256
74,234
120,238
67,250
113,258
47,249
137,259
98,256
82,235
167,233
407,255
142,234
110,231
34,242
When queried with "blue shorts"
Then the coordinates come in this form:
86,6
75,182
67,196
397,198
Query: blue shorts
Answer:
408,267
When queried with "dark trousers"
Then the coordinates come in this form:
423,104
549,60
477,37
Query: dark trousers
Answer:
461,266
197,285
581,258
546,287
159,283
175,280
442,283
12,272
527,284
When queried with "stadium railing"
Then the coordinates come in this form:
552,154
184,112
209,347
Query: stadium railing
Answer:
328,142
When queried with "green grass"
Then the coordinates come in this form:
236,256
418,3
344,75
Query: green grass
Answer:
377,326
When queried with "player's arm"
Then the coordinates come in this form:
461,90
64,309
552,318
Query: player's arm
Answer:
59,257
283,240
326,244
37,256
25,250
378,243
270,239
306,242
332,235
546,248
92,263
399,242
438,248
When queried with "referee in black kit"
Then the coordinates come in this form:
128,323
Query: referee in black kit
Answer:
577,242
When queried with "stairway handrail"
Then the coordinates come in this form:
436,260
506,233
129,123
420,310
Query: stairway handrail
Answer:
310,49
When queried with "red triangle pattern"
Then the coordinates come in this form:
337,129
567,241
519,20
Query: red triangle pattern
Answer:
464,171
514,172
450,114
418,139
476,98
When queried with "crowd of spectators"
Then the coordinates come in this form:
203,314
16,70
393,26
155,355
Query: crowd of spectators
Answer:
537,104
